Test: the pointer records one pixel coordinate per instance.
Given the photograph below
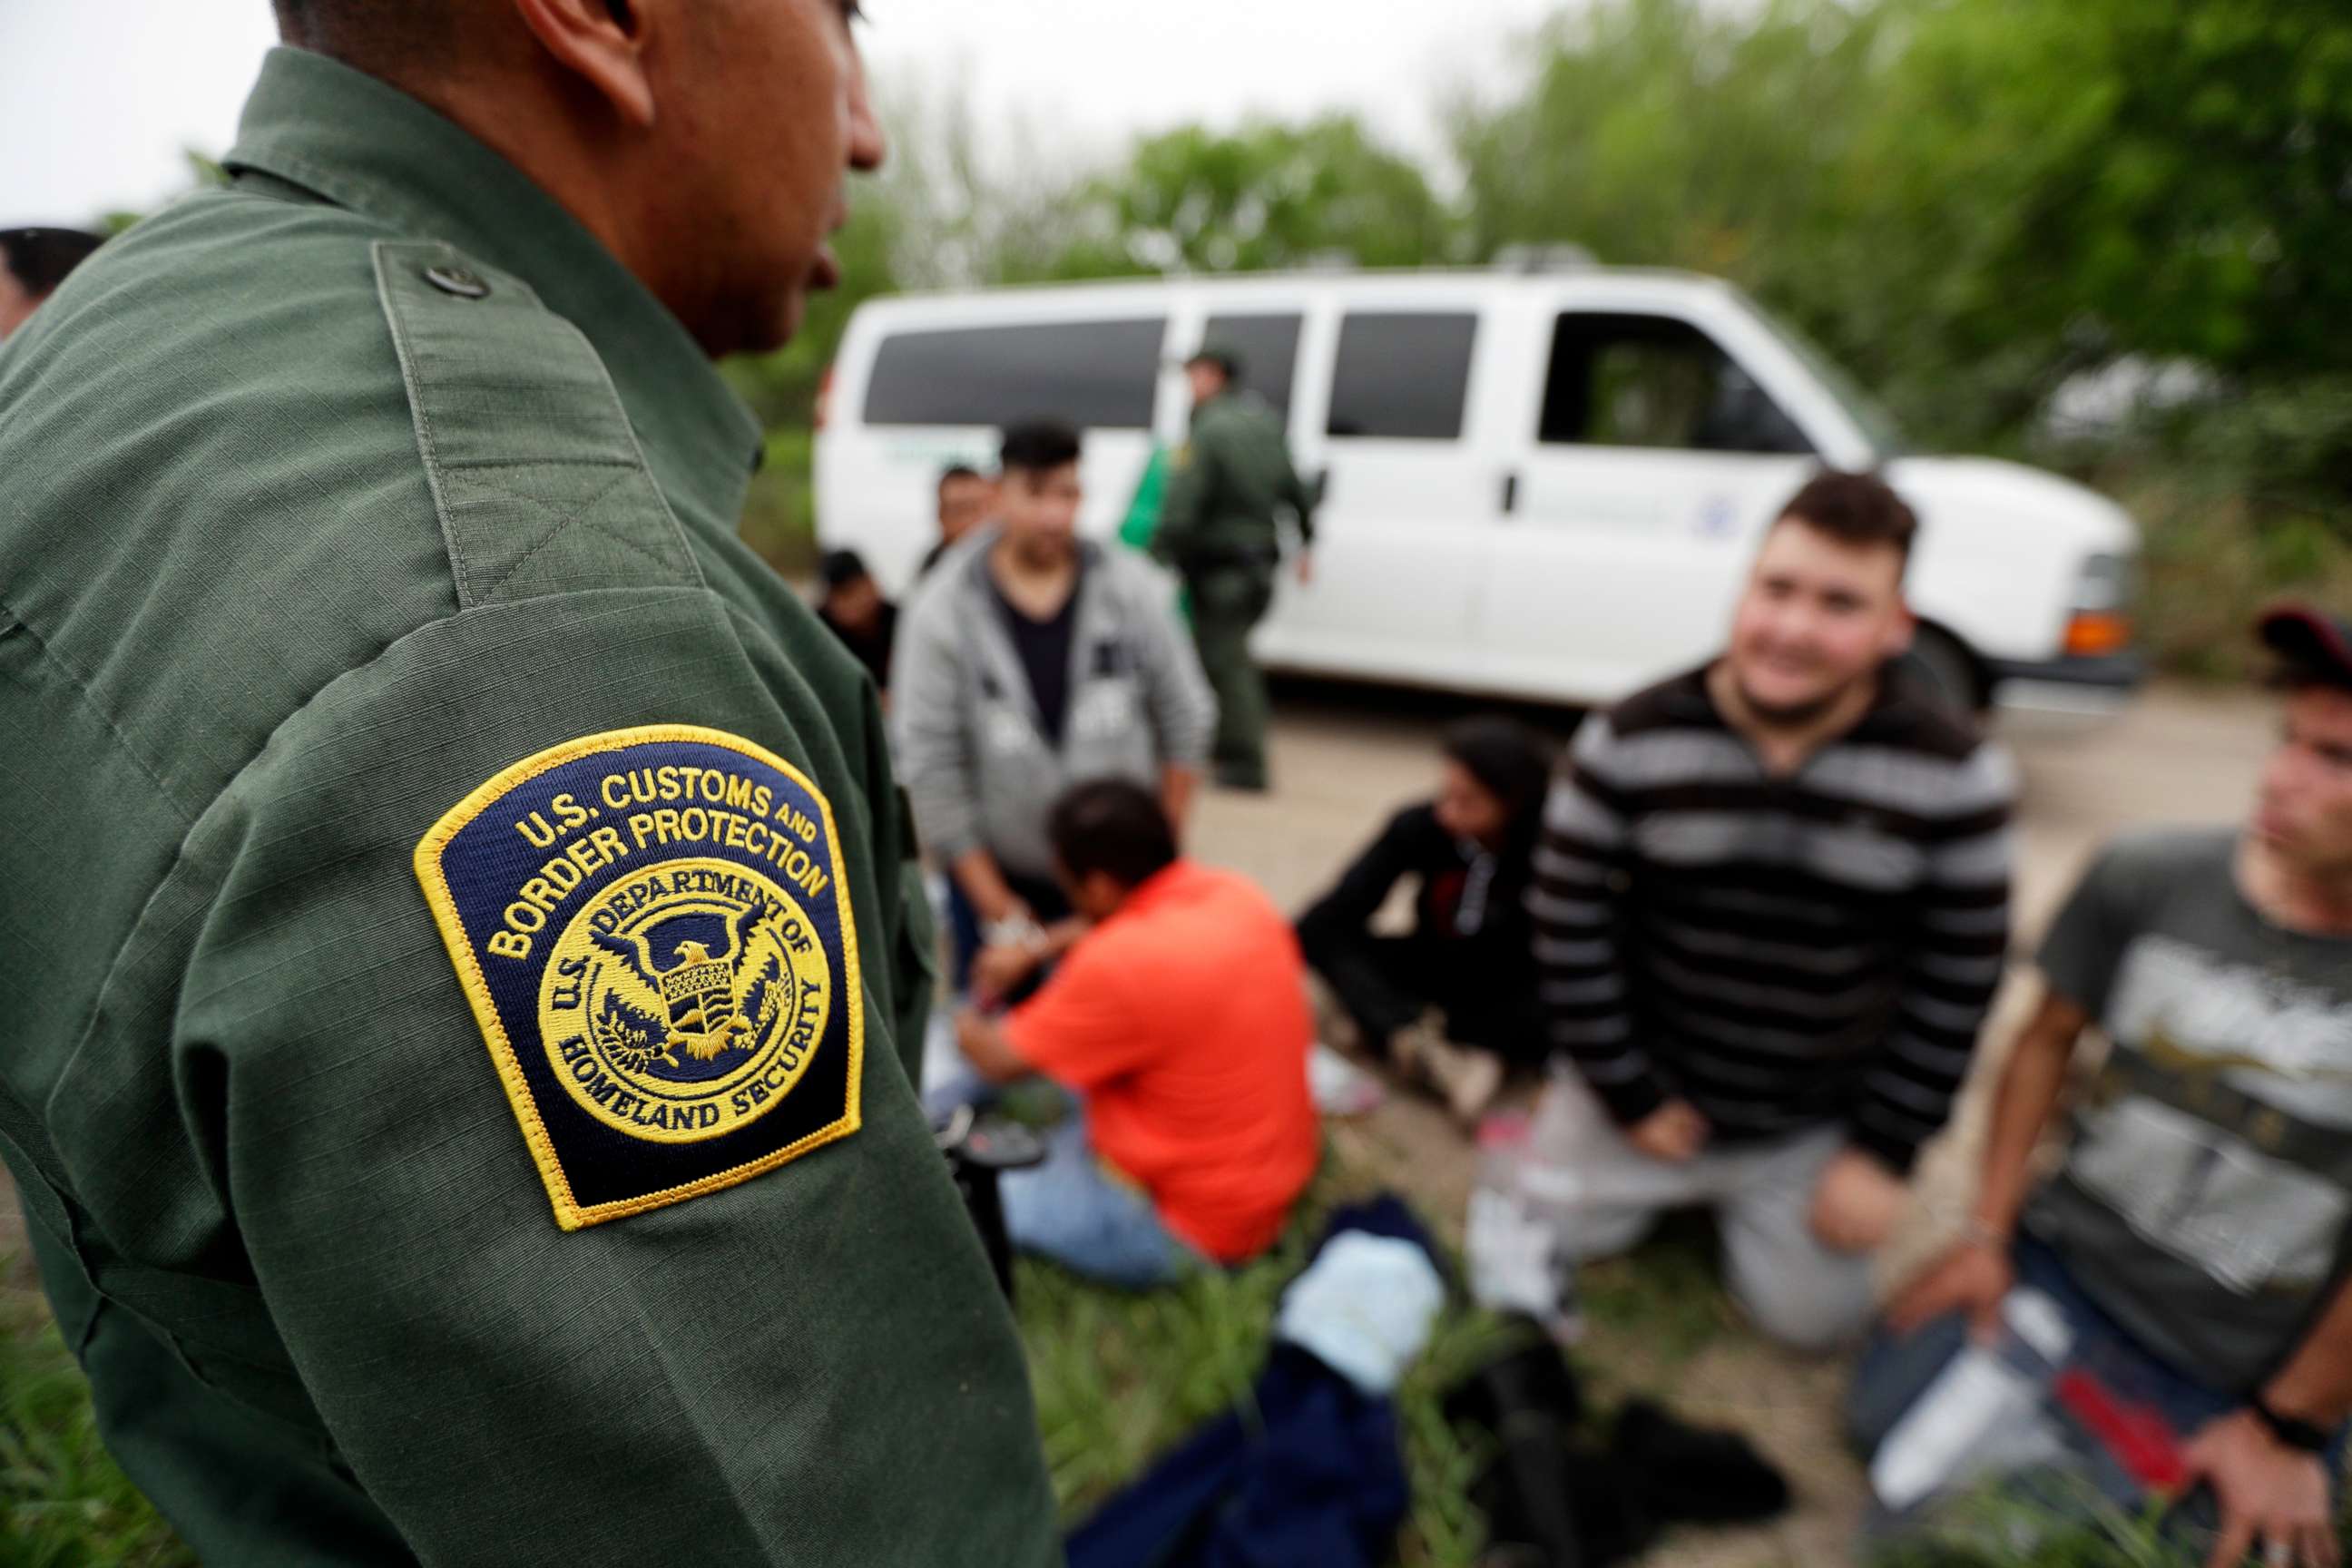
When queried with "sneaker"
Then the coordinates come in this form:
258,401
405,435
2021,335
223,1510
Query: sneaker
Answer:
1413,1049
1515,1267
1340,1088
1467,1077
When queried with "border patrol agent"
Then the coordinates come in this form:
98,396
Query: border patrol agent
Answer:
462,972
1219,528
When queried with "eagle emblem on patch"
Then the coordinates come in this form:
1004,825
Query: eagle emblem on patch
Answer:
653,928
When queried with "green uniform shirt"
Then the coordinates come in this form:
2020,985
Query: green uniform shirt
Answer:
460,983
1227,486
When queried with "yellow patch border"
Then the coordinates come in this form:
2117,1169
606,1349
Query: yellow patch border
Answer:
569,1213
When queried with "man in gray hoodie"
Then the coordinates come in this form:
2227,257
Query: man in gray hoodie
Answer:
1031,660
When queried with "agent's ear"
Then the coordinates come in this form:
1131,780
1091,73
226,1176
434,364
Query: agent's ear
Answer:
602,42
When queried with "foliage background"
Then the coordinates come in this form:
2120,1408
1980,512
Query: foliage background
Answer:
1975,206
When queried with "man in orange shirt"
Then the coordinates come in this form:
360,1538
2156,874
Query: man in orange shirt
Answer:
1179,1021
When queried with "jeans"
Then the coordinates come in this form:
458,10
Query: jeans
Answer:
1071,1210
1386,983
1895,1372
1579,1190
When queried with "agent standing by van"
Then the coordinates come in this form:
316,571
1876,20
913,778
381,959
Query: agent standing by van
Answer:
1220,530
1032,660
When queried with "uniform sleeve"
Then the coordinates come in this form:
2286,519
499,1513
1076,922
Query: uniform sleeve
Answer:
934,740
1184,512
1959,944
1080,1030
1183,707
1296,492
738,1370
1574,902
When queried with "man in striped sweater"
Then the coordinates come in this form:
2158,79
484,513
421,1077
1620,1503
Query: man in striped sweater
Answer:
1770,909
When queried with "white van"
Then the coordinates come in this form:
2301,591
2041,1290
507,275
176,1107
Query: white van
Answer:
1541,486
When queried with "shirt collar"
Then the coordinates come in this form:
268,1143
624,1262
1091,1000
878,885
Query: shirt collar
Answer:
1169,881
364,145
1688,697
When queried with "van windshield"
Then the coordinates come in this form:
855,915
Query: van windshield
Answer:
1877,424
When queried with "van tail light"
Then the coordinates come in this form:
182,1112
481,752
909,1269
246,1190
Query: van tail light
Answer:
2100,625
823,411
2098,634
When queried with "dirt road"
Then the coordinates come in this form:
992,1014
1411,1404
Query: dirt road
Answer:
1344,758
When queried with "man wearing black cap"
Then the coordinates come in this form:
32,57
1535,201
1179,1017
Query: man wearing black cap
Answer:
2196,1237
33,262
1220,529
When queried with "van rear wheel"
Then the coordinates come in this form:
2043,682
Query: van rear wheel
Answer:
1941,667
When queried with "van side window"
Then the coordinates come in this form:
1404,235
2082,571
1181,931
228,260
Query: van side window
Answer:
1402,375
1653,382
1100,375
1268,348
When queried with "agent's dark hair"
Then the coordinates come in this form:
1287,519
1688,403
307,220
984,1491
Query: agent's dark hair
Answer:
40,259
955,471
840,568
1511,760
1038,447
1228,364
1112,826
1855,509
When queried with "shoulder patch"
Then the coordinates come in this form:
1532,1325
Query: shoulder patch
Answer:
654,928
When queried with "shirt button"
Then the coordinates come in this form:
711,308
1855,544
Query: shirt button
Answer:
458,281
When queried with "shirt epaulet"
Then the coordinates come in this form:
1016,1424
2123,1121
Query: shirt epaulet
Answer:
537,475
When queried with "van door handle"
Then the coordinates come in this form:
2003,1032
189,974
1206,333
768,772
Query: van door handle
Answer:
1510,494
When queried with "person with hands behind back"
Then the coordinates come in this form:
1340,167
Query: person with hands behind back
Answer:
1028,660
1177,1023
2196,1233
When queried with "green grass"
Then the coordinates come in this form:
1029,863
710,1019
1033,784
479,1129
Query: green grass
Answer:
63,1503
1997,1528
1120,1378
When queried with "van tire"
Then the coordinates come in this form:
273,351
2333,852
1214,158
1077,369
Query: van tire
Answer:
1938,663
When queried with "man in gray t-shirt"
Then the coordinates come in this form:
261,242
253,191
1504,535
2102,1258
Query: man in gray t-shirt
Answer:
2209,1175
2197,1233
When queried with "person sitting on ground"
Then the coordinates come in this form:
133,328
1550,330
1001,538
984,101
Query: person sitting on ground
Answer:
851,605
965,496
1770,906
1031,660
1453,1000
33,262
1179,1023
2195,1235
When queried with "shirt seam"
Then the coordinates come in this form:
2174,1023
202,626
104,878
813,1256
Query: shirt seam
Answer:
87,1032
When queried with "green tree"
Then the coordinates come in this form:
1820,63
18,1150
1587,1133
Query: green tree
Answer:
2039,188
1266,197
1674,133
